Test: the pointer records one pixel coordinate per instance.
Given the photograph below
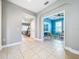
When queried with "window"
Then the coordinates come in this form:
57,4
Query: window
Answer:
45,27
24,28
58,26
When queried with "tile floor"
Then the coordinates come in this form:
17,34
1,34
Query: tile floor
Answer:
31,49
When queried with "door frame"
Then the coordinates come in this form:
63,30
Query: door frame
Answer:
42,22
32,28
0,24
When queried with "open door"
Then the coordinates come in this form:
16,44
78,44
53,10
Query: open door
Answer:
0,25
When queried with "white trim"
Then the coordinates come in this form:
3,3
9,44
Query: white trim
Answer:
64,26
72,50
0,23
10,45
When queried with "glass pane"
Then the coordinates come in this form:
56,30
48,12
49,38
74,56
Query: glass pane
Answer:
45,27
59,26
24,28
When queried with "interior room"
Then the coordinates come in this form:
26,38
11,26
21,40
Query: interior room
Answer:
39,29
28,26
54,28
54,25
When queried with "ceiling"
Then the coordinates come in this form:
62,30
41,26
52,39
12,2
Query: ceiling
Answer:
26,18
33,5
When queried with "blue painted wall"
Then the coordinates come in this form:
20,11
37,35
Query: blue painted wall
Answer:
53,21
53,26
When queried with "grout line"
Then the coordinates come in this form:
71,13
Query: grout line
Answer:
21,52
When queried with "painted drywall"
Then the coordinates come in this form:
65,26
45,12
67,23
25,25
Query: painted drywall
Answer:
0,22
11,23
33,28
71,20
53,22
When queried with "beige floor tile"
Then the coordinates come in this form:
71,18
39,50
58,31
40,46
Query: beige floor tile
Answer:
43,54
31,49
14,53
35,57
4,53
28,54
51,57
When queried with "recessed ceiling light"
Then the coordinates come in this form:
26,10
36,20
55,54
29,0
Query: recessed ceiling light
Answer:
46,2
28,0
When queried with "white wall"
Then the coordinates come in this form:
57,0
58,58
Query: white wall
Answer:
33,28
71,20
0,23
11,23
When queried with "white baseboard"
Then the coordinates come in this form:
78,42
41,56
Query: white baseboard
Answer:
10,45
72,50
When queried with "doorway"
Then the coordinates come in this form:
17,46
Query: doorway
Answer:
28,26
54,28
